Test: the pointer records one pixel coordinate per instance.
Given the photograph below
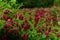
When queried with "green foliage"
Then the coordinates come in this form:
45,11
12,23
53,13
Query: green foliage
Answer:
57,2
52,36
27,3
1,23
9,4
38,3
19,1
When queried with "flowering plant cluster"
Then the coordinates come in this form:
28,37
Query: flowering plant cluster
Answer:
30,24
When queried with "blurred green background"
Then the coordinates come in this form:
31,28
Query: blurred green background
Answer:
29,3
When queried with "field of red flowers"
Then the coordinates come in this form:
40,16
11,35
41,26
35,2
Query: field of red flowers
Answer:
30,24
